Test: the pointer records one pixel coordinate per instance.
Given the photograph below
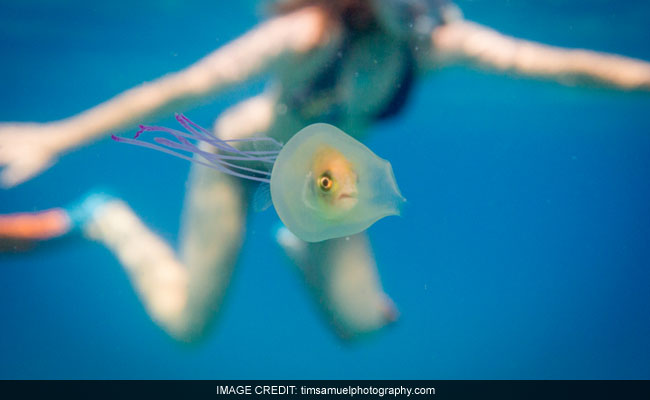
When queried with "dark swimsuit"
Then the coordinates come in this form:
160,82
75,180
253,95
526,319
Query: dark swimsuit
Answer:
324,84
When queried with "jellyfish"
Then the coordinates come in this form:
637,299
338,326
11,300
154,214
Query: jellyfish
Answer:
323,183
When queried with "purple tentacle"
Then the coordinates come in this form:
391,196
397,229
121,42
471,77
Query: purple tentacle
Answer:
194,149
213,158
218,161
204,134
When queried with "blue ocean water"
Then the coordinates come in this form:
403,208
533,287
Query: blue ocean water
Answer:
524,252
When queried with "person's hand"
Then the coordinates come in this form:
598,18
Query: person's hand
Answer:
26,149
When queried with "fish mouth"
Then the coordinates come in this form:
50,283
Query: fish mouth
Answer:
347,201
351,195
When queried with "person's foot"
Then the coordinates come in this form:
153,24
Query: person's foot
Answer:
39,225
83,211
28,227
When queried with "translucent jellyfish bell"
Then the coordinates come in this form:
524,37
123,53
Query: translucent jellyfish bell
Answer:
323,183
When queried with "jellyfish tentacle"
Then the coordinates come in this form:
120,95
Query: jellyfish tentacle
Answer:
191,126
217,157
182,135
219,161
199,135
206,137
216,166
204,133
214,158
214,141
161,149
261,153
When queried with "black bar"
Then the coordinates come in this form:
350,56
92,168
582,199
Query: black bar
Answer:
312,389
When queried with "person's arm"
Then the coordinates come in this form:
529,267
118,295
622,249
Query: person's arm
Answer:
477,45
28,148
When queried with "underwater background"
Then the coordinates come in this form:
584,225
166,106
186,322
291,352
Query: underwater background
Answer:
524,252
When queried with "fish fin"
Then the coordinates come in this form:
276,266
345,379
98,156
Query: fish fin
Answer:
262,197
267,144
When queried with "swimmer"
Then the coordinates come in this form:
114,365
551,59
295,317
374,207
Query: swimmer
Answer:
328,50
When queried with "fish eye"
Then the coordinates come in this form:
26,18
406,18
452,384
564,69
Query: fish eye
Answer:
325,182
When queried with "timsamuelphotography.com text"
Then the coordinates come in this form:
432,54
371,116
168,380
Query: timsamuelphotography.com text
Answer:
323,390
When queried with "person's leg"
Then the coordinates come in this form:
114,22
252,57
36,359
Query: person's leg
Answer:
20,231
184,296
342,275
211,238
184,293
181,294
